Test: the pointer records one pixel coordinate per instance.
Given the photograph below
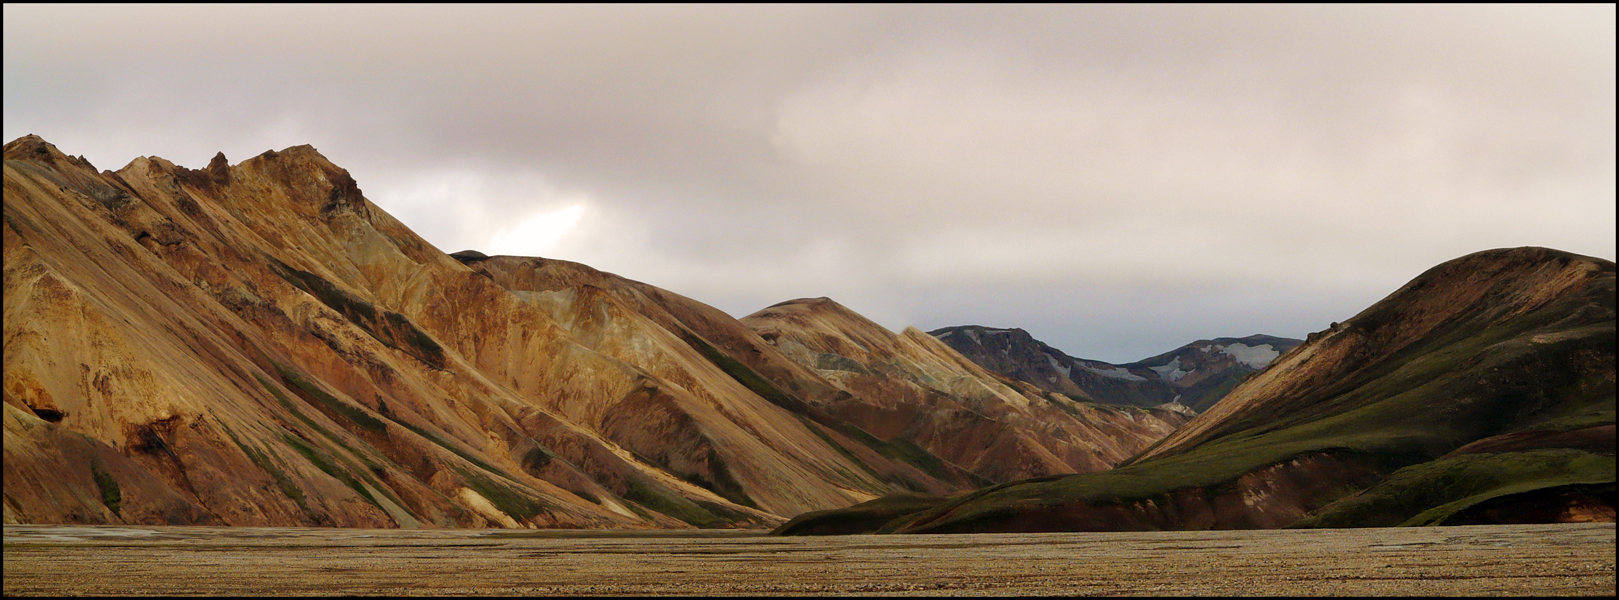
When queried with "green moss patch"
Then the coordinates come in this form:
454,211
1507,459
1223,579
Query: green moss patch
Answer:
817,429
827,361
656,498
392,329
744,375
349,305
282,482
335,408
370,467
882,514
513,502
111,495
324,462
448,446
416,342
902,450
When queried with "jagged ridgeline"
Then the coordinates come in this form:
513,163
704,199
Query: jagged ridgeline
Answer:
1196,375
258,344
1480,392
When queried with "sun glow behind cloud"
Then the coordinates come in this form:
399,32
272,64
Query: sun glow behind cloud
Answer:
539,234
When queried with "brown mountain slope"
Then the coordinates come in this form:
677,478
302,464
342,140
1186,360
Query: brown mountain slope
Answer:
240,334
683,341
262,346
1483,389
914,390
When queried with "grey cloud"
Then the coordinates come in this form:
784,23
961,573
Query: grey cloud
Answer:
1230,169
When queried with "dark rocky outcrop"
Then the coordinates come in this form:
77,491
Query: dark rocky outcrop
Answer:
1195,375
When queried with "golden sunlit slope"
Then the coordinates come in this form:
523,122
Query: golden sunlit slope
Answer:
716,358
259,345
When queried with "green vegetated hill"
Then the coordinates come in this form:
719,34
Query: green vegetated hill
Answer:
1482,391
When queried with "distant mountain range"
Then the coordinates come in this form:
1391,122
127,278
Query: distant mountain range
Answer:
1195,375
1480,392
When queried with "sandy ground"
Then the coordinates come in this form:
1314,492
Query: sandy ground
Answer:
1512,560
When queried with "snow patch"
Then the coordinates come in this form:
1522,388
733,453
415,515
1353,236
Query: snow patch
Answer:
1058,366
1253,356
1171,371
1114,373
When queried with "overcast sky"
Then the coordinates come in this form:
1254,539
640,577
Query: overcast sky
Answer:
1117,180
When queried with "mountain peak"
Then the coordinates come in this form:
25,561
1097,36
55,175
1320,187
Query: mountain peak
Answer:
218,163
33,148
1483,287
27,145
821,305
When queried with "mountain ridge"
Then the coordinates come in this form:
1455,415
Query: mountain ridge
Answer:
1212,367
258,344
1481,391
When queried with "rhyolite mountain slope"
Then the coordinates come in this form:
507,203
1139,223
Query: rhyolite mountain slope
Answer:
258,344
1195,375
909,388
1482,391
823,397
672,336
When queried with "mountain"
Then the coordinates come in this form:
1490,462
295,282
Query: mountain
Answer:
913,390
1195,375
1204,371
258,344
1482,391
674,337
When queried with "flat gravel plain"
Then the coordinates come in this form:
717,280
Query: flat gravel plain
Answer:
1573,559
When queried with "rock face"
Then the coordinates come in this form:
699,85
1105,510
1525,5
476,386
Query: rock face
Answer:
1195,375
911,389
258,344
1481,391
